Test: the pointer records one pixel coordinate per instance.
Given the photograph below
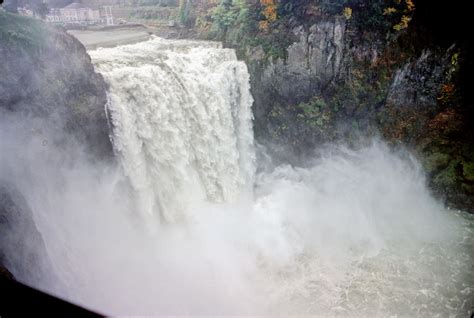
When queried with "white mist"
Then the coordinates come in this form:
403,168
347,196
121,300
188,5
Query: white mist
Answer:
356,232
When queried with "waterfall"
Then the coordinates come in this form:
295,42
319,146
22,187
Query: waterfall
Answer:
182,122
355,232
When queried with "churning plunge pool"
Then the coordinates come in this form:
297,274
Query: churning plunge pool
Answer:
184,224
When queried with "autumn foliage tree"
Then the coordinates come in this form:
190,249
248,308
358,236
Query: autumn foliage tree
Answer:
269,12
404,8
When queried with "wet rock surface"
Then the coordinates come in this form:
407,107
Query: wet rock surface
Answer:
50,76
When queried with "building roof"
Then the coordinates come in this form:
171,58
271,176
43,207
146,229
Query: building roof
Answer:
75,5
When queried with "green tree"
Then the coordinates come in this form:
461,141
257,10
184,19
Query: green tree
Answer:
229,13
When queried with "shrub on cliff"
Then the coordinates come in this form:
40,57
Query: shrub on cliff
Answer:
22,32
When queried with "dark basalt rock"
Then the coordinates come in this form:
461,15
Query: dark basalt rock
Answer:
5,273
47,73
19,258
337,82
47,78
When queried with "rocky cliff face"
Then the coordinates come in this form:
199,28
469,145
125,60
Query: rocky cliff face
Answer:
281,86
16,221
48,84
418,83
424,108
47,74
312,63
336,82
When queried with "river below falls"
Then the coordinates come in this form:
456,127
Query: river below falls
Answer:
194,218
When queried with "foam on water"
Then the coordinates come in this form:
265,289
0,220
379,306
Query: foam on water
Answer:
355,232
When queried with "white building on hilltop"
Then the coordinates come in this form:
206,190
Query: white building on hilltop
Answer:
77,13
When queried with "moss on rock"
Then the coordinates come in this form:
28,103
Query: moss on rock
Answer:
436,161
47,73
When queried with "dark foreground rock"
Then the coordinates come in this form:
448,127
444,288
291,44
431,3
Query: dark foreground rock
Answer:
47,79
46,73
23,256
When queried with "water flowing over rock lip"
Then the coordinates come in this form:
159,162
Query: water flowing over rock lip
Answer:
274,254
102,39
197,95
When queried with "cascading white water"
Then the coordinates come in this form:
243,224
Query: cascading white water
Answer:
356,232
182,116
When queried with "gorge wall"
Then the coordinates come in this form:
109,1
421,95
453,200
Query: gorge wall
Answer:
316,77
354,231
322,74
50,77
50,92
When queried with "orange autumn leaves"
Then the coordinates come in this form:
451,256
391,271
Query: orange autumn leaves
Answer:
270,14
408,6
